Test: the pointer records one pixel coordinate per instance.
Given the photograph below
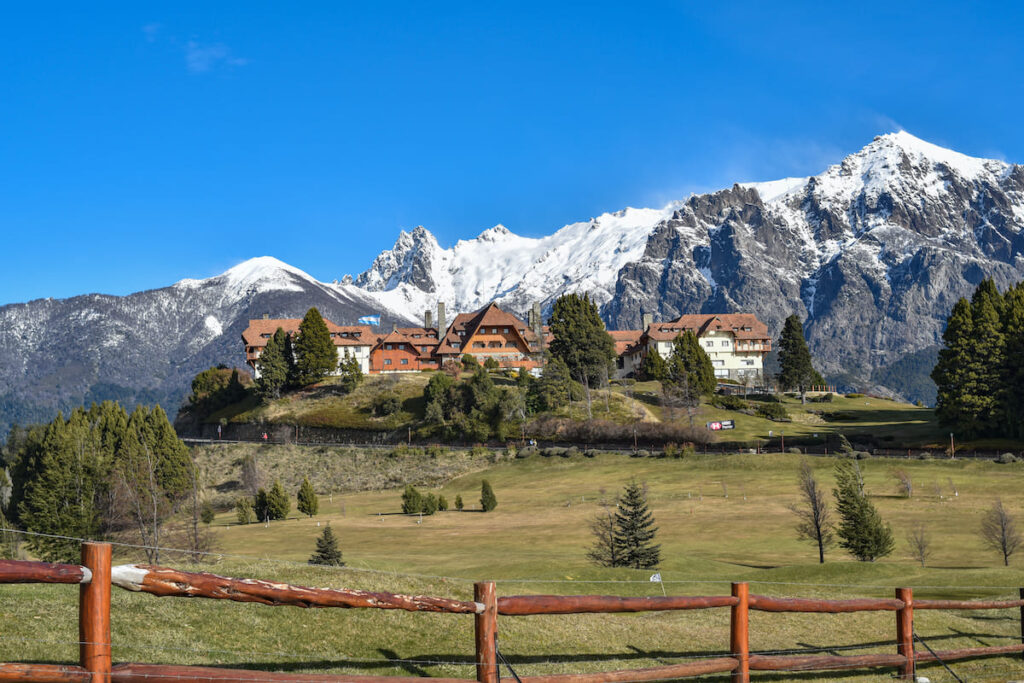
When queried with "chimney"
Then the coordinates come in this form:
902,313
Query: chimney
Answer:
441,327
266,316
648,320
428,319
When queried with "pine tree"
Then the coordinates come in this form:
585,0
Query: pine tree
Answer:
796,370
278,504
458,502
309,504
488,501
315,354
635,530
273,366
244,510
289,359
951,373
207,513
861,529
552,390
327,552
429,504
261,505
603,552
653,366
442,503
350,373
412,500
689,364
579,338
987,358
1011,396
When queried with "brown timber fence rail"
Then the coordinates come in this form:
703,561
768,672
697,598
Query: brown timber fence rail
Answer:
96,576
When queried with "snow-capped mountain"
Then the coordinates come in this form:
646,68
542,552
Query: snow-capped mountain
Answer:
872,253
146,347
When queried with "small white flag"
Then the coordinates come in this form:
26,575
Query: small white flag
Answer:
656,578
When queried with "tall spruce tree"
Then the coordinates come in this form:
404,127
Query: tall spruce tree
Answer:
653,366
309,504
273,366
635,530
315,354
953,373
488,501
278,503
690,364
327,552
796,369
1011,396
580,339
861,530
988,354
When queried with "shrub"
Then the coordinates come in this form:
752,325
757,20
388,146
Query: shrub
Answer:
442,503
861,455
327,552
641,453
206,513
488,501
764,398
386,404
591,453
1006,459
773,411
854,395
571,452
553,451
458,502
491,364
729,402
924,455
479,451
824,398
436,451
429,504
412,500
790,394
243,510
469,362
672,450
688,451
794,451
527,452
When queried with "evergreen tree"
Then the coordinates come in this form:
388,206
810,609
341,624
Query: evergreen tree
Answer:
429,504
309,504
315,354
350,372
278,504
327,552
244,510
261,505
796,370
861,530
412,500
635,530
458,502
207,513
552,390
488,501
273,366
989,348
690,365
653,366
580,340
1011,396
289,359
442,503
603,552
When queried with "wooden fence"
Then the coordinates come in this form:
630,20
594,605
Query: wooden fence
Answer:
96,576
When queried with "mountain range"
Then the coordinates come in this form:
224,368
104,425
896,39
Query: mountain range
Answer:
872,253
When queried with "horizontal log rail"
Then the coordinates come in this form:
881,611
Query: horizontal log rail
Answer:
522,605
22,571
768,604
96,576
164,582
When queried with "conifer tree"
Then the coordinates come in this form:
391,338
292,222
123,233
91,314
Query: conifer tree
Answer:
278,503
861,530
796,370
653,366
273,366
635,530
429,504
315,354
579,338
309,504
552,390
350,373
327,552
261,505
244,512
689,364
1011,396
488,501
412,500
289,359
442,503
458,502
952,370
988,355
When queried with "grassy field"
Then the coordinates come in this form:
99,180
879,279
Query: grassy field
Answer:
721,518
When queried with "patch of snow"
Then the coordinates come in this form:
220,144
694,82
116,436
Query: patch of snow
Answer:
773,190
214,326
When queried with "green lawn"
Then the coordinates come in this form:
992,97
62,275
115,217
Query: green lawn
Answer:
535,541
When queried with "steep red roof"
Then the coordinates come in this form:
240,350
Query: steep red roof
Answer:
488,316
624,339
260,331
742,326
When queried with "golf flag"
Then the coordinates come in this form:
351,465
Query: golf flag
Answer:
656,578
370,320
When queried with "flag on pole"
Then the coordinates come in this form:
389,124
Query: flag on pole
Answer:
370,320
656,578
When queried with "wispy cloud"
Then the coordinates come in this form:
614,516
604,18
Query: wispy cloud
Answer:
151,31
203,57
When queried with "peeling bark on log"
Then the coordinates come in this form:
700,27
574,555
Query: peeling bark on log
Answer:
20,571
169,673
163,582
520,605
969,652
967,604
697,668
43,673
769,604
823,662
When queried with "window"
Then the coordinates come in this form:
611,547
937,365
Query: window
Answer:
332,335
478,345
387,361
494,345
718,363
266,335
494,330
424,349
709,343
721,373
725,343
387,346
748,361
505,330
456,345
405,361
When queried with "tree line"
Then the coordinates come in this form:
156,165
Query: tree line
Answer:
101,471
980,371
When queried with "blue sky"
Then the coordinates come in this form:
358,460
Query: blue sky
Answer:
142,142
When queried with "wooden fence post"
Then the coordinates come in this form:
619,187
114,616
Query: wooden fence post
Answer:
1021,593
739,632
486,633
905,633
94,613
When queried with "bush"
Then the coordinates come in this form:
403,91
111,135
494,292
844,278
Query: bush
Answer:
824,398
794,451
412,500
729,402
764,398
442,503
591,453
688,451
469,362
854,395
672,450
773,411
436,451
243,510
527,452
429,504
861,455
641,453
386,404
1006,459
479,451
553,451
571,452
458,502
491,364
924,455
488,501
